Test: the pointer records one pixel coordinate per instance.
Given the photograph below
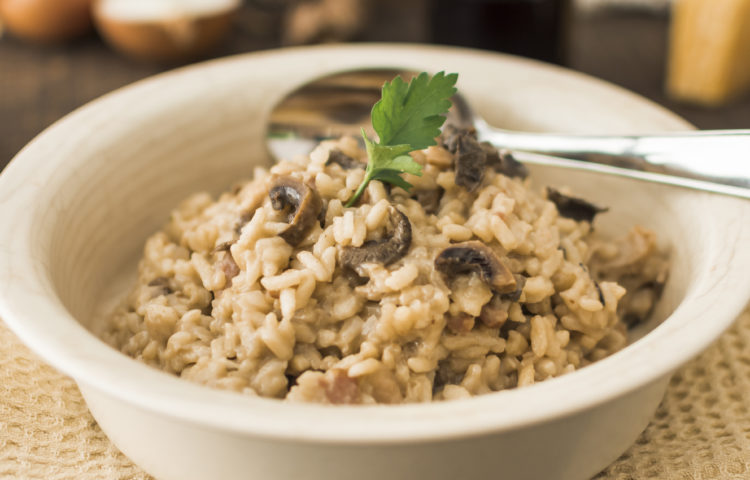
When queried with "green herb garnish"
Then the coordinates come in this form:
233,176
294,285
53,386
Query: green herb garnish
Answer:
407,117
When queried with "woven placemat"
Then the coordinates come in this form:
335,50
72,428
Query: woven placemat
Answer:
701,430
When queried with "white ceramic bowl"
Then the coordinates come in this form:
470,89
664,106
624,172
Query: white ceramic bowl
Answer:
78,202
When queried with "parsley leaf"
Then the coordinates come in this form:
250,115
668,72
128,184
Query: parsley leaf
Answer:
407,117
413,113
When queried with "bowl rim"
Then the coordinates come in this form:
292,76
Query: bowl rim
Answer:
27,299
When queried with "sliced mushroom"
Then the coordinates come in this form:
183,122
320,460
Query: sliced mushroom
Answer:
470,159
503,161
450,135
304,205
476,257
515,294
429,199
639,301
343,160
445,375
573,207
471,162
494,159
386,250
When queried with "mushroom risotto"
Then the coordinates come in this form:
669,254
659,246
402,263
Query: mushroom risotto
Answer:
470,283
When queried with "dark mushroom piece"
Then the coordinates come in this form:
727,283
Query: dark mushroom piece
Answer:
304,205
502,161
470,159
343,160
515,294
429,199
476,257
471,162
450,135
632,319
386,250
575,208
445,375
209,308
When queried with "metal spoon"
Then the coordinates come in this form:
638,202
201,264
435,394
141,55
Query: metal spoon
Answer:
340,104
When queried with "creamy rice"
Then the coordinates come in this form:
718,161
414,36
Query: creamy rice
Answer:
495,289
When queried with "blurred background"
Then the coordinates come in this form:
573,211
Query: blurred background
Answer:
55,55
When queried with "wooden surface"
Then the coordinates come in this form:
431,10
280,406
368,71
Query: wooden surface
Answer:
38,85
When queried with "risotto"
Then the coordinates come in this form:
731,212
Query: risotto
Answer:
472,282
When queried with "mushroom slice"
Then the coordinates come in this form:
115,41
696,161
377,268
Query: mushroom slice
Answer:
515,294
573,207
473,157
304,206
343,160
429,199
471,161
503,161
476,257
450,135
470,158
384,251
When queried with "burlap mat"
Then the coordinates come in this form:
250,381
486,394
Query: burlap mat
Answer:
701,430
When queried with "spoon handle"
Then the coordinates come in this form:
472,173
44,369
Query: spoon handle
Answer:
716,159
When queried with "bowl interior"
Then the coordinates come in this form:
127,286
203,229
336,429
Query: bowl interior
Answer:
97,184
137,170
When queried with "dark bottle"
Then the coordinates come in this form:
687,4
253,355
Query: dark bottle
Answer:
531,28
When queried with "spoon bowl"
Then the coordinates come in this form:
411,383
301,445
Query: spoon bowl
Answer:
339,104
